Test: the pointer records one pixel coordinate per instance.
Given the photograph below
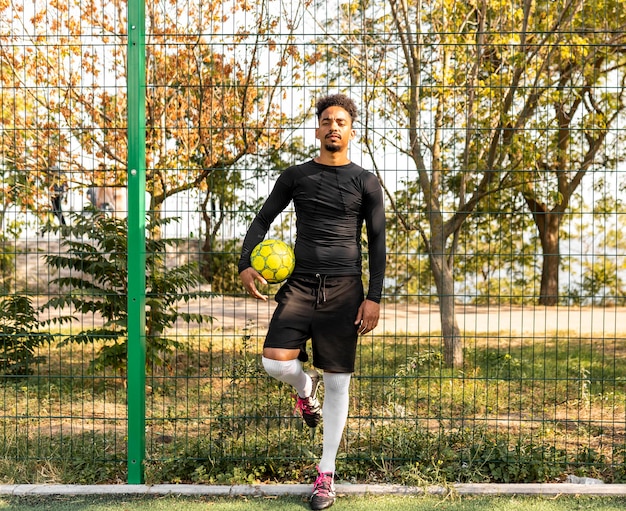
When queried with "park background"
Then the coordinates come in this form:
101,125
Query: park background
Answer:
496,129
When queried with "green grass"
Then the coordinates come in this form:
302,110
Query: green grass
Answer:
520,410
377,503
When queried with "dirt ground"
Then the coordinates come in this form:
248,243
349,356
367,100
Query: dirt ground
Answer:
234,314
239,313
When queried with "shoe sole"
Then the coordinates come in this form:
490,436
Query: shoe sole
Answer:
325,505
316,380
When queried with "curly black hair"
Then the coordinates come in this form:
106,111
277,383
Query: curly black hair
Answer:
336,100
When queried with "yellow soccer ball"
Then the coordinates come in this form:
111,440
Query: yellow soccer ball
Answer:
273,259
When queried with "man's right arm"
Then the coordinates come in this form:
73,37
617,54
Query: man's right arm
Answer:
249,278
277,201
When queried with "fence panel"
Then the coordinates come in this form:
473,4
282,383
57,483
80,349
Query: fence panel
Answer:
496,131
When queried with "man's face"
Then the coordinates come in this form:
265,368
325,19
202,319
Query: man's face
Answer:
335,129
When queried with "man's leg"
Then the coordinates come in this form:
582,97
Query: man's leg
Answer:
336,403
283,364
335,410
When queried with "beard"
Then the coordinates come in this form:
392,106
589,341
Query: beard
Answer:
332,148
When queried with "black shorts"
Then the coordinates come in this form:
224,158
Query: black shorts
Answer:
322,309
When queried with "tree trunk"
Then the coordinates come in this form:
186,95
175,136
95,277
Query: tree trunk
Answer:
549,291
206,266
209,218
548,224
452,345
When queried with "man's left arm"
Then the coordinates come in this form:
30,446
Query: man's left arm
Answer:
374,208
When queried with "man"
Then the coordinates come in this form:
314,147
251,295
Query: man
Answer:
324,299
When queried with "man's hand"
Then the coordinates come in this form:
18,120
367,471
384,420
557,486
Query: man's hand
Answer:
367,316
249,276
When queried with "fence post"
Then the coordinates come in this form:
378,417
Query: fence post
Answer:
136,262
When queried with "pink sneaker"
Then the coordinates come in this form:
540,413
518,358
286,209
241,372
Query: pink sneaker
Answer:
323,495
309,407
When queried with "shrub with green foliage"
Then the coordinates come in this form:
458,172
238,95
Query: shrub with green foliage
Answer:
19,336
95,282
7,264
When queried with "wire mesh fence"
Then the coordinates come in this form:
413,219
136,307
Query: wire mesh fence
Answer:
495,129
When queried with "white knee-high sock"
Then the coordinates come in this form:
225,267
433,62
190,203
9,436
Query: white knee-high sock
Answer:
289,371
335,411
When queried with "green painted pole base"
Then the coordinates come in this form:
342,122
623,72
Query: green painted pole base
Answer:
136,261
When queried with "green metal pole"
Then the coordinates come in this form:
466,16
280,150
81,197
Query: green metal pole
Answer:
136,265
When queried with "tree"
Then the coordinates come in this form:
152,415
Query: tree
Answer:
564,129
456,87
216,74
28,146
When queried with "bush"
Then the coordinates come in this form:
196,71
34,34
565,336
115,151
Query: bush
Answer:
96,257
7,264
19,336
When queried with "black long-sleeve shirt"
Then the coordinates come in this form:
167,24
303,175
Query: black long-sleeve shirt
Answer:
331,204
